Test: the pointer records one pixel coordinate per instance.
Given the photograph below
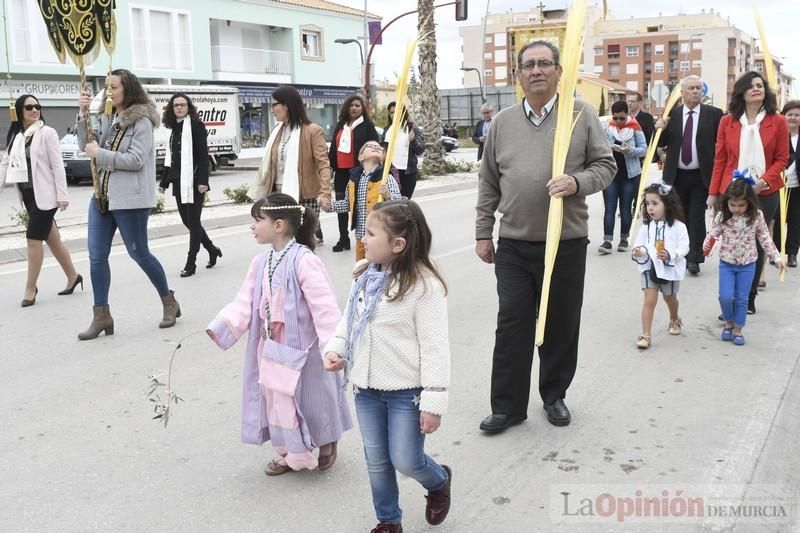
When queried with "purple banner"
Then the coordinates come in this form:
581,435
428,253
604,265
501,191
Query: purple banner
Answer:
374,30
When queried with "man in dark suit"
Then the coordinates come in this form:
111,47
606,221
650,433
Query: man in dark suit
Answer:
482,128
690,137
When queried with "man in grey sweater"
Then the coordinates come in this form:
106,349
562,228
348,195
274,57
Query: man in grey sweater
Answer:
516,180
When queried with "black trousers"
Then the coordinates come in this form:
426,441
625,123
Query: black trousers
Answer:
769,206
340,179
190,216
792,223
519,267
408,182
693,194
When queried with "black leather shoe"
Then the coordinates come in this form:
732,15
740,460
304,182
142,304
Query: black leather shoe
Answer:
69,290
557,413
496,423
188,270
213,255
693,268
791,261
27,303
341,246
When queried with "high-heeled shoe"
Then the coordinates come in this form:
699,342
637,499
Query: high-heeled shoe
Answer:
71,289
27,303
212,257
188,270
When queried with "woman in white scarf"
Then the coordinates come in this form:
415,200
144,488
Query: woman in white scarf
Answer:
186,169
295,159
752,137
32,160
353,130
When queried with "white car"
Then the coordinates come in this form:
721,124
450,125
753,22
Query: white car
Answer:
76,163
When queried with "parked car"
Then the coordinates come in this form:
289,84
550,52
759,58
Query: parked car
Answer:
76,163
449,143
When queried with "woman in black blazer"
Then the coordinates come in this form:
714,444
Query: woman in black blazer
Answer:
353,130
190,185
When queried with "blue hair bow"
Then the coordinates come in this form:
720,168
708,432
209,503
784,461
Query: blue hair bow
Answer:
744,175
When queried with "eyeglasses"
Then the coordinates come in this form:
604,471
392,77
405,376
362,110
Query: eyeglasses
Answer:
31,107
543,64
180,105
374,146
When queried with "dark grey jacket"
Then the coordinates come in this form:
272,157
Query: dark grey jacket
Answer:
132,184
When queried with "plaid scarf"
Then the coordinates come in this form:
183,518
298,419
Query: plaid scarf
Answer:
371,283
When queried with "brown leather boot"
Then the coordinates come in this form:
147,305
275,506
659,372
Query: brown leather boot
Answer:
172,310
439,501
102,321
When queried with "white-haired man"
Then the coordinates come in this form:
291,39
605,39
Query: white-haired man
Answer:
690,136
482,128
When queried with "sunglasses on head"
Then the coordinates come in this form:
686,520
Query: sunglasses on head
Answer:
31,107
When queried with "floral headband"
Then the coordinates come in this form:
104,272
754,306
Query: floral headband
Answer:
302,209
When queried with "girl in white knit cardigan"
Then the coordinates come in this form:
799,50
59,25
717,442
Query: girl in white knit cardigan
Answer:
392,341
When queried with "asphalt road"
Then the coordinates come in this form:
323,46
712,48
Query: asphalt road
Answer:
79,451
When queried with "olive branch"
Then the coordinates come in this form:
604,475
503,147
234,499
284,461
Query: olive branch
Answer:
163,404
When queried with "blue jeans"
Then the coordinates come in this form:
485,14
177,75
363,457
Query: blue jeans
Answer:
621,192
132,224
390,429
734,288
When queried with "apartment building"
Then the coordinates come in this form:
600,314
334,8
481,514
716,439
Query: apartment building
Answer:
647,55
255,45
643,54
496,52
785,90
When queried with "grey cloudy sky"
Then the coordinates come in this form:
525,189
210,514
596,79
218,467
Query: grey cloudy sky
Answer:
780,19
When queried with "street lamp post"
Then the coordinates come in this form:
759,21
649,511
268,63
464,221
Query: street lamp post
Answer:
480,81
378,36
364,82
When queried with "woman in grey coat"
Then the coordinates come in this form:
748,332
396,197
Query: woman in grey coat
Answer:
124,153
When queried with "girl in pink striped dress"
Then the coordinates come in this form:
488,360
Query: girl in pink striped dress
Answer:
288,307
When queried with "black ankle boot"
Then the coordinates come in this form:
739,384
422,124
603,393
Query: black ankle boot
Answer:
341,245
188,270
191,267
213,254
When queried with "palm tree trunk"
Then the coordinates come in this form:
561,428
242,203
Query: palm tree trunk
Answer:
428,103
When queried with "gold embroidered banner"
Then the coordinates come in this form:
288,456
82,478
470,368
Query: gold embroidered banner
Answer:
77,28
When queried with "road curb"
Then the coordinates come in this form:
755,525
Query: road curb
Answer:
14,255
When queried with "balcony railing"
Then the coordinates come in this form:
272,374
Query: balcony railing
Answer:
249,60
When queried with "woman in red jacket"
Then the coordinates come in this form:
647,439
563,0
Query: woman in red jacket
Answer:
752,137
